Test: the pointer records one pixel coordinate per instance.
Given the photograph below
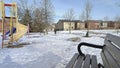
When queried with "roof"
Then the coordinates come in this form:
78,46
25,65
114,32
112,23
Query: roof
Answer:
110,22
94,21
63,20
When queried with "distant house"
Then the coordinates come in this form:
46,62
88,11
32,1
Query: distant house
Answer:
67,24
80,25
6,25
52,27
110,25
103,25
117,24
92,24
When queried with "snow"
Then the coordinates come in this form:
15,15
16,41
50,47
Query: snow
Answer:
50,51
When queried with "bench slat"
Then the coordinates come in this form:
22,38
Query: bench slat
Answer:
87,62
110,59
94,62
72,61
79,62
115,52
114,39
105,62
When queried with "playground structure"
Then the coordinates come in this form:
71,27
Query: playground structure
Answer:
16,30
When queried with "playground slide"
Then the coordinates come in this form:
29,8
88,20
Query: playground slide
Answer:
21,30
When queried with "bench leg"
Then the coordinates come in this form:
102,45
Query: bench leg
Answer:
100,65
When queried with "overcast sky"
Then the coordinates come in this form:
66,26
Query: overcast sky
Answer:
101,8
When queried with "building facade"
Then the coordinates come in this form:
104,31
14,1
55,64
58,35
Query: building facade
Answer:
117,25
80,25
103,25
6,26
93,24
67,25
90,24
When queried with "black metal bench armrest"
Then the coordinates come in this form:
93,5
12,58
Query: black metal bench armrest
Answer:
89,45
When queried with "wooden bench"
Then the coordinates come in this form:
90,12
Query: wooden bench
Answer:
110,55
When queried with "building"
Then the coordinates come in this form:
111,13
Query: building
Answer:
110,25
6,25
103,25
67,24
80,25
93,24
52,27
117,25
90,24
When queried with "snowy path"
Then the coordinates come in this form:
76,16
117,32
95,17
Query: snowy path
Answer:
49,51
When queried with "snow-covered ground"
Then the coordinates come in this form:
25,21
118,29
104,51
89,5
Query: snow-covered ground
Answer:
50,51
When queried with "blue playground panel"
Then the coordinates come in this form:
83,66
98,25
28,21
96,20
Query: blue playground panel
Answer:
13,31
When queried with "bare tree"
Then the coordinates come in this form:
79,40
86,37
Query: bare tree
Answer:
23,7
48,15
117,18
38,24
117,21
69,15
88,9
82,16
27,17
38,15
106,18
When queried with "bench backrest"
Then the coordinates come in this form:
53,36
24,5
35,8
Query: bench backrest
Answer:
111,52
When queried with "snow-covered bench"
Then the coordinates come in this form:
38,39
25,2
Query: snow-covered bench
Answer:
110,55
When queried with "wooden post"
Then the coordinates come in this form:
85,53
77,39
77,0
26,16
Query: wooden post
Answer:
28,30
3,32
15,10
3,15
11,24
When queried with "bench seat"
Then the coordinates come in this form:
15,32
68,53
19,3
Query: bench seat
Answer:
88,61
